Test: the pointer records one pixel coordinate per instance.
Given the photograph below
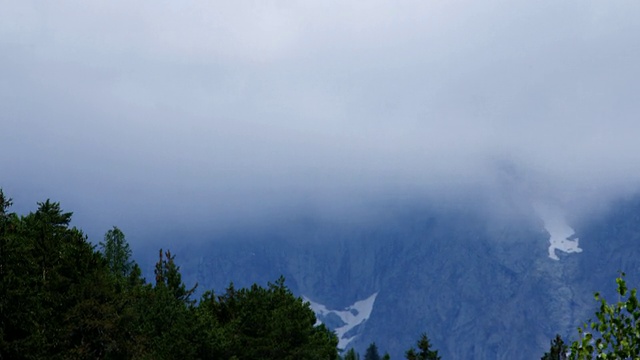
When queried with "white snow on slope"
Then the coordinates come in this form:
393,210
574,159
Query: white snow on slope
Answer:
351,316
561,235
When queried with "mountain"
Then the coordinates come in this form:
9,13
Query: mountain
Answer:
481,287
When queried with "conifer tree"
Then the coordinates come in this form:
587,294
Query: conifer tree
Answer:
117,252
5,204
351,355
168,276
60,300
372,352
424,351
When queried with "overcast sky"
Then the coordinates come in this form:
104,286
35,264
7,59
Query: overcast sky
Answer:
204,113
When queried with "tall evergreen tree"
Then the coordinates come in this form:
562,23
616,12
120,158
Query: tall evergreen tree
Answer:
50,241
168,276
48,226
372,352
165,314
351,355
424,351
12,278
5,204
117,252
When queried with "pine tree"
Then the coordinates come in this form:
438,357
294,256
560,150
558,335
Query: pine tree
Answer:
558,350
266,323
424,351
351,355
165,314
372,352
117,252
48,225
14,319
5,220
56,291
168,276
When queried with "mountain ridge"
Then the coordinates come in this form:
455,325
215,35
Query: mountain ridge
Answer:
481,289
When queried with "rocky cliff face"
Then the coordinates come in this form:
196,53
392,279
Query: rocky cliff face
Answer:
481,289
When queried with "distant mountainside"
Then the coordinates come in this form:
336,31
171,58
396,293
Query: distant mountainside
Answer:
480,288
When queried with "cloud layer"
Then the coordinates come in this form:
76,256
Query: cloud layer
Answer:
202,114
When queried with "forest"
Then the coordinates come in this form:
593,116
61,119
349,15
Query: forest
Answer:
64,297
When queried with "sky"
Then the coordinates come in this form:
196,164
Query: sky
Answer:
211,114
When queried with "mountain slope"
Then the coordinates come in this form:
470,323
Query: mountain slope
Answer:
481,288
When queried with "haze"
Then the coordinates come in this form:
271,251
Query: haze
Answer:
197,115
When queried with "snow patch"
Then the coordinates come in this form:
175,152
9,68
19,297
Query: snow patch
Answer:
561,235
351,316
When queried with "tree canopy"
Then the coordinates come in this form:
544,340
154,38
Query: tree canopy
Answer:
60,298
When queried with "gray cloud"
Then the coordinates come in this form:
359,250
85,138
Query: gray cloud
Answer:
198,115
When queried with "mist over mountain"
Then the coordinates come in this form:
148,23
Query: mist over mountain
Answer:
480,286
473,164
211,116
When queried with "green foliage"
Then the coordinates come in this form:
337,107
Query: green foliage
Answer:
265,323
163,316
424,351
5,225
558,350
616,332
62,299
13,263
168,277
351,355
57,300
117,252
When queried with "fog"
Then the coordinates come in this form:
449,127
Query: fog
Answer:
205,115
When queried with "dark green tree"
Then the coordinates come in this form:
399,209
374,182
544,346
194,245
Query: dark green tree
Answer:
372,352
211,339
94,323
424,351
351,355
117,252
50,273
15,320
165,314
168,276
48,227
5,225
57,299
558,350
62,299
265,323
